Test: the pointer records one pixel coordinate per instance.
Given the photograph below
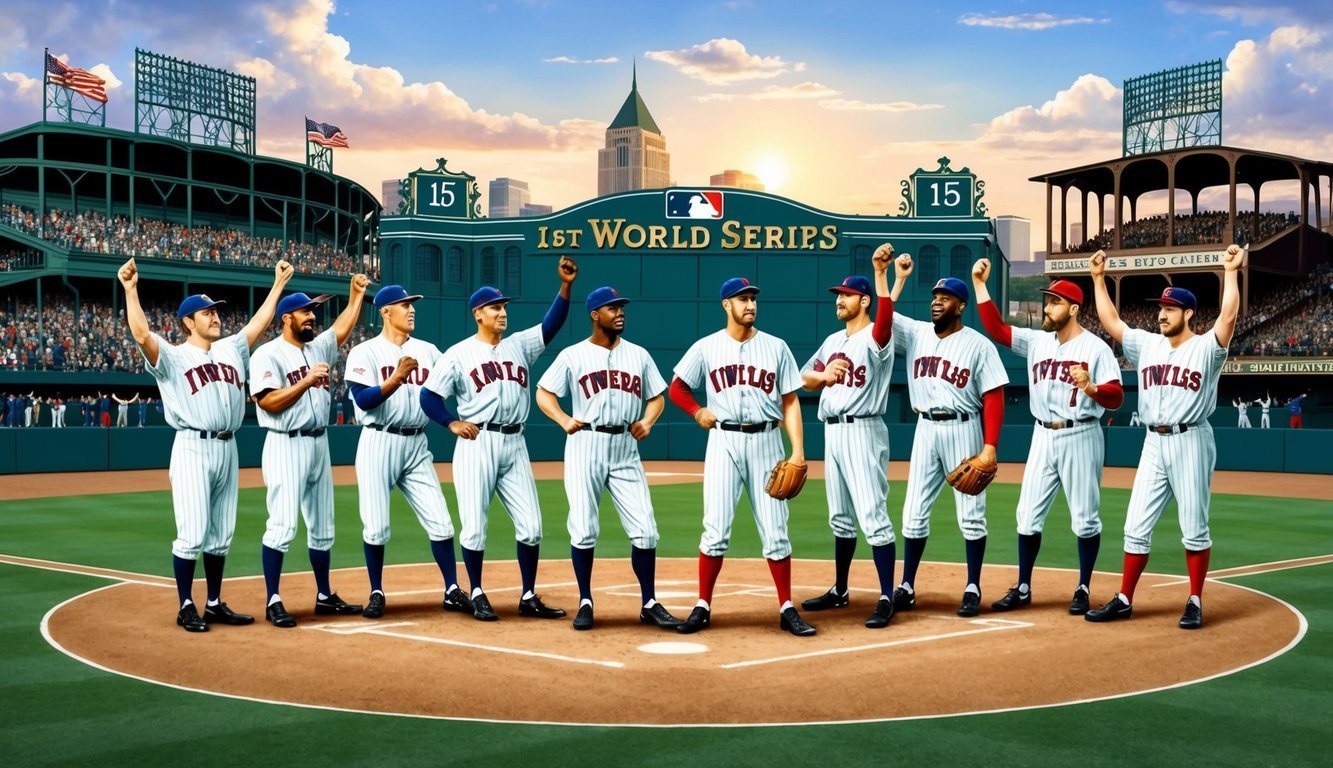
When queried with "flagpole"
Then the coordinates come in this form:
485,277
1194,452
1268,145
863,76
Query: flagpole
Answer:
46,82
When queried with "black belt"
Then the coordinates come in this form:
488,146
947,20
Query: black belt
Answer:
225,434
404,431
846,419
618,429
944,416
762,426
507,429
316,432
1067,423
1168,429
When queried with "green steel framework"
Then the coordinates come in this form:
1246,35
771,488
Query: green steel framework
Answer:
1173,109
70,107
193,103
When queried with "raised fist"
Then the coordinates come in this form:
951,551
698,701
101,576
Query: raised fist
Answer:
1097,264
567,269
1234,258
883,255
902,266
359,284
282,272
128,275
981,270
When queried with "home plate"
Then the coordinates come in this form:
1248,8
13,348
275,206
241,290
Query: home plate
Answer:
673,649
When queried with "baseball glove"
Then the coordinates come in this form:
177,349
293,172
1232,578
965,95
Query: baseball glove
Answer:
786,480
972,476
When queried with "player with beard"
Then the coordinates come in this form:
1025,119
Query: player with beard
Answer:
1073,378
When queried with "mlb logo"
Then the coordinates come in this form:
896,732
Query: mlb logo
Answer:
693,204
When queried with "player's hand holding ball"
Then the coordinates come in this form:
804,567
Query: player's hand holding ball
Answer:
1097,265
882,256
705,418
1234,258
406,365
359,284
282,272
567,269
464,429
902,266
128,275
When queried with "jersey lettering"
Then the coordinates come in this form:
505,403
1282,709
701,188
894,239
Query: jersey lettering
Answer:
593,382
728,376
936,367
294,376
855,375
210,373
417,377
489,373
1055,370
1166,375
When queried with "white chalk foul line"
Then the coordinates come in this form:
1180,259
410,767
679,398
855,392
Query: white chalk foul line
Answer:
991,625
128,577
380,630
1254,570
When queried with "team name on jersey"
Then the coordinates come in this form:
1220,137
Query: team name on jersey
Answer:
855,375
936,367
417,377
489,373
1055,370
297,375
728,376
596,381
201,376
1167,375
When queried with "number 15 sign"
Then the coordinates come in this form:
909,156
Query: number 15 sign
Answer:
943,193
443,193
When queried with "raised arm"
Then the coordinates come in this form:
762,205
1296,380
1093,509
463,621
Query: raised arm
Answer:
1225,327
991,319
882,331
902,269
559,310
282,272
128,274
356,295
1105,307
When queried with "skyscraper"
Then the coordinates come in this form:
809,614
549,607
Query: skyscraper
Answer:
1014,236
635,155
390,197
738,179
507,198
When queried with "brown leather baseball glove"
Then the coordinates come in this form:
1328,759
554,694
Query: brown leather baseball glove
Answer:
786,480
972,476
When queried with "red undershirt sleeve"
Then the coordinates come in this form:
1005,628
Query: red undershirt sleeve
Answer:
683,397
992,416
1109,395
994,324
883,329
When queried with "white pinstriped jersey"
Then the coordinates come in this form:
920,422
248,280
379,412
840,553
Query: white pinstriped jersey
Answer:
1264,406
202,390
950,373
1051,389
1176,386
373,361
606,387
1243,408
864,389
490,383
745,380
280,364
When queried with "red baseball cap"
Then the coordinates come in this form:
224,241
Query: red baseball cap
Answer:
1067,290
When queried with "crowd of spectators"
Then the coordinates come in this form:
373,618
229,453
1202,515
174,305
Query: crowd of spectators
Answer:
13,258
1295,319
1203,228
93,232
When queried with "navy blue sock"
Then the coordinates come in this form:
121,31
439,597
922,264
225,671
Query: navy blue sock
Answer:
1028,547
1087,557
272,560
444,557
213,575
472,560
319,562
884,556
528,555
582,570
976,552
374,565
184,570
843,552
913,549
644,562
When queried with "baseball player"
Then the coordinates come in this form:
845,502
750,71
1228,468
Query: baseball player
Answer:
852,368
751,380
123,409
1178,375
1294,410
1242,418
203,388
616,395
385,375
956,383
1134,420
1264,406
289,381
1073,378
489,375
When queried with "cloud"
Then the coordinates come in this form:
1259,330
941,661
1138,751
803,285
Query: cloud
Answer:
722,61
856,105
1252,14
1081,120
571,60
1026,21
1277,91
806,90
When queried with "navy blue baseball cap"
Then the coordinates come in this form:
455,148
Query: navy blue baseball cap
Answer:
737,285
393,294
600,297
954,286
856,284
486,295
299,301
195,303
1176,297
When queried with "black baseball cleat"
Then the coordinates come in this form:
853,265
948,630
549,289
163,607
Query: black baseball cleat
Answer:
792,622
277,616
882,616
699,619
374,606
457,600
1192,618
1078,606
482,610
1012,599
971,605
337,606
221,614
188,617
533,606
830,599
903,600
660,616
583,619
1114,610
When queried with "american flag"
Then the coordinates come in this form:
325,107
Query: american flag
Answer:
324,134
77,80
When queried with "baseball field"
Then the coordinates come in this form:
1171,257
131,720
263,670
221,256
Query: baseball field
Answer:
95,672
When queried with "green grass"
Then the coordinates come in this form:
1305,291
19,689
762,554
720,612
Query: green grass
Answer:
56,711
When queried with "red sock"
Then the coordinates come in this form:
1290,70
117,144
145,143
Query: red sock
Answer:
781,570
709,568
1197,563
1134,565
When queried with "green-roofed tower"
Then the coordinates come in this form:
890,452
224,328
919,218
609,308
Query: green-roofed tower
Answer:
635,156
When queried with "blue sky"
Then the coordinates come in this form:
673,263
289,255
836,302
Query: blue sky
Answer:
847,97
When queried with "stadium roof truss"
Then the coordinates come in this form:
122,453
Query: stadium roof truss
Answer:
1173,109
193,103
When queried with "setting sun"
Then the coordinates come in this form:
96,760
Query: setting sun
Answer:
772,172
